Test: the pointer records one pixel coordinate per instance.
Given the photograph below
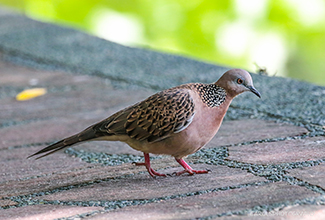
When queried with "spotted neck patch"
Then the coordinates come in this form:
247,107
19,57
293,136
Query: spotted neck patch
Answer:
211,94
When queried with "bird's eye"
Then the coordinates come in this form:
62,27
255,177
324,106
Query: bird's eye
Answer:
239,81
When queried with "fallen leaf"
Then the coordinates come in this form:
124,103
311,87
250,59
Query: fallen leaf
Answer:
30,93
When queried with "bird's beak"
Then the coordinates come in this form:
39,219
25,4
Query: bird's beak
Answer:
253,90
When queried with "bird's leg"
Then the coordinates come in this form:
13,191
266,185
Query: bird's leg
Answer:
188,169
146,163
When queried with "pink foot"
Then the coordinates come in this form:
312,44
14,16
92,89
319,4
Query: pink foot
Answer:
188,169
146,163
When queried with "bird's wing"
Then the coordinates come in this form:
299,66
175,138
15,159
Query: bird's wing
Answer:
153,119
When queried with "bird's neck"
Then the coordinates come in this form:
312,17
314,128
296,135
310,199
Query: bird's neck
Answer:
211,94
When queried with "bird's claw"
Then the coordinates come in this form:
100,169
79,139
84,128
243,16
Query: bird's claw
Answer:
151,171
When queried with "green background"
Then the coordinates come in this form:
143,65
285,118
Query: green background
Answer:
274,37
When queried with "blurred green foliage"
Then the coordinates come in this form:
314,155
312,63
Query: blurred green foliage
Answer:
287,37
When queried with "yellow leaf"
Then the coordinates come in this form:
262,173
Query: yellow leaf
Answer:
30,93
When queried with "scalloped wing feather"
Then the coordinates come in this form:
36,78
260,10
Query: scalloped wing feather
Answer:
154,119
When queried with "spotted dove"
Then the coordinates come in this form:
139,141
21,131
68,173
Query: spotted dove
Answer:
178,121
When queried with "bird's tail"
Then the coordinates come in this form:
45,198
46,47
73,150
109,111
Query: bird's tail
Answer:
85,135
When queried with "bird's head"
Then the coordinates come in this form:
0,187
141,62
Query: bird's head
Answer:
236,81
